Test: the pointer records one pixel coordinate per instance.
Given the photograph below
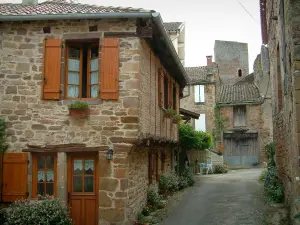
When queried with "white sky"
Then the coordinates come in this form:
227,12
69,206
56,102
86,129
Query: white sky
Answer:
206,21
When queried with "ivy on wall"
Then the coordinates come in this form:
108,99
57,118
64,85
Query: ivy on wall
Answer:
3,144
219,127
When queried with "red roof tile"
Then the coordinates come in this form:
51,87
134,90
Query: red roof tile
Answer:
60,7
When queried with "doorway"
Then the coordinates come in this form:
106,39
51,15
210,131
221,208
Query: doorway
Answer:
83,188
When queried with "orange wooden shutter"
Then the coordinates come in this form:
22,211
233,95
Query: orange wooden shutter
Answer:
170,86
109,80
52,69
14,176
160,87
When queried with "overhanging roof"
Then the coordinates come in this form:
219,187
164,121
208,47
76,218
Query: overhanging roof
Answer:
189,114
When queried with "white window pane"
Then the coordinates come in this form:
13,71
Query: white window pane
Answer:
94,78
202,97
196,92
73,91
94,91
73,78
200,123
74,64
94,64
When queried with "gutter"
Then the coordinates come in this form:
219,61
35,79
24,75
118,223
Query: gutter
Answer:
155,16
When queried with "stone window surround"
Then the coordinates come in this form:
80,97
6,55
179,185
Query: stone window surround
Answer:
75,36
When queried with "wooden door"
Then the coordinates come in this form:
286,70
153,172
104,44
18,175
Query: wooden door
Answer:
83,188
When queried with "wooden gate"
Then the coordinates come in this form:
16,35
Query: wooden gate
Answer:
241,152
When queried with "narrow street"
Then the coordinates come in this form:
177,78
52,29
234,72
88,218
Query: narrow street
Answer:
227,199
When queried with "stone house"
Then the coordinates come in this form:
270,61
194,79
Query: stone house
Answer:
121,62
201,96
280,33
240,105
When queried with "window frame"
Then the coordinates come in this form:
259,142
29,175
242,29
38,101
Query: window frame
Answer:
34,194
166,91
79,43
199,94
235,108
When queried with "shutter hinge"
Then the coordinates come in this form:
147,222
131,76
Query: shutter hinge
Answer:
27,194
60,91
45,81
27,161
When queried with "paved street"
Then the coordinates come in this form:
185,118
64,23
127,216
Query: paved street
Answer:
229,199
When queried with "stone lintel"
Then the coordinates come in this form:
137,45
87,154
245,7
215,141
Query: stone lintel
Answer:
67,149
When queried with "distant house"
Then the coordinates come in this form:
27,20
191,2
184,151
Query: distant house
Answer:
121,62
241,106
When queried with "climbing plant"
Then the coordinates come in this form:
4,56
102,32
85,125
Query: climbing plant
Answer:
219,124
3,144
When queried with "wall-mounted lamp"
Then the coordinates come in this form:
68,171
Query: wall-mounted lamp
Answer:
109,154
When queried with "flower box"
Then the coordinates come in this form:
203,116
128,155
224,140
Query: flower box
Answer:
169,113
79,112
176,119
79,108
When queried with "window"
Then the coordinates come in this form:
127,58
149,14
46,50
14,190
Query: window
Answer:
200,124
43,175
82,70
166,93
279,83
174,97
81,63
240,73
239,116
199,93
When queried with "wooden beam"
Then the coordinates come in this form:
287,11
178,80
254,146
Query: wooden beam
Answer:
66,149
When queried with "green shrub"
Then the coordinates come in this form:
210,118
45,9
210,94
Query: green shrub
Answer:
189,176
153,197
263,176
146,211
78,105
43,212
220,169
183,182
169,182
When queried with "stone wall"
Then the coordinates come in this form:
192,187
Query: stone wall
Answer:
230,57
262,79
286,121
34,121
153,122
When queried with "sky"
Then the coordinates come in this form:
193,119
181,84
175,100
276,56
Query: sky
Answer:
205,22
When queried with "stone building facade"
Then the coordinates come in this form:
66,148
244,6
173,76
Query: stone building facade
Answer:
203,81
232,59
280,32
127,116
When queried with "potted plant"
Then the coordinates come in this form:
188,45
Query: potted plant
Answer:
169,113
78,108
176,119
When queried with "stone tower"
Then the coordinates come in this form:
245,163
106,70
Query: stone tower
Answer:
232,60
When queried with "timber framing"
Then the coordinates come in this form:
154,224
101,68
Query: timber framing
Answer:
64,148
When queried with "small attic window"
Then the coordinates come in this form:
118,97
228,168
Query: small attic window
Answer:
47,30
240,73
93,28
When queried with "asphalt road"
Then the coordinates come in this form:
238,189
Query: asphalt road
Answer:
229,199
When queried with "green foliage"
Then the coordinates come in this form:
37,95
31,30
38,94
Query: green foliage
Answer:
153,196
263,176
170,112
220,169
78,105
177,118
169,182
146,211
44,212
183,182
189,176
219,123
3,145
191,139
274,190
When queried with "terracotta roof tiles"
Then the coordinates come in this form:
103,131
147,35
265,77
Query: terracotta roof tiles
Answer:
239,94
60,7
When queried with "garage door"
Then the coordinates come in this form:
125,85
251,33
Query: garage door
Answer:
242,152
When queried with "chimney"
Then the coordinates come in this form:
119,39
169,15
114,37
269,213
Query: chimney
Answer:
209,60
29,2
